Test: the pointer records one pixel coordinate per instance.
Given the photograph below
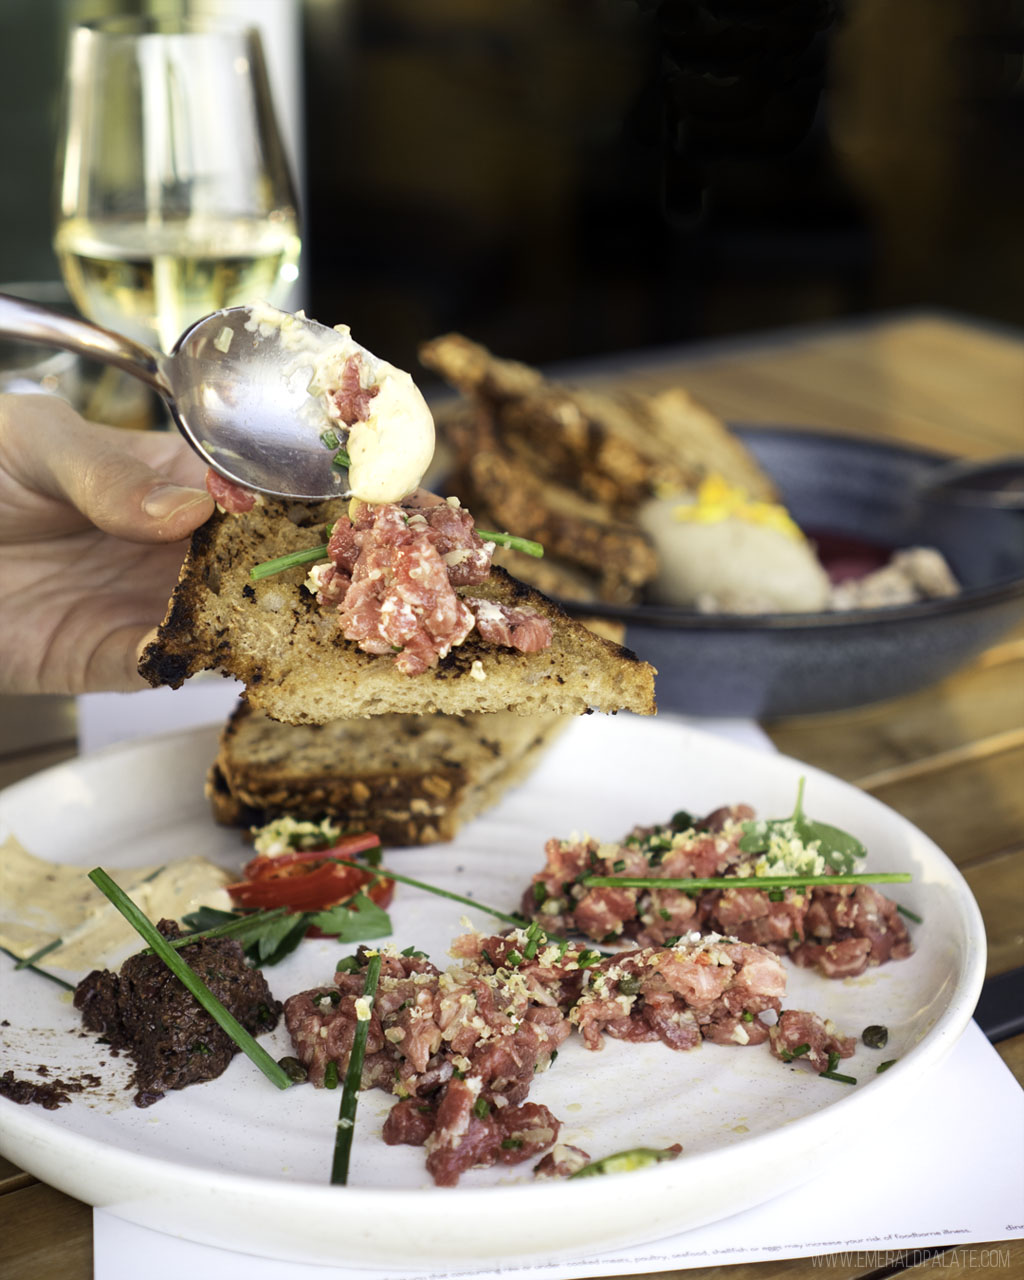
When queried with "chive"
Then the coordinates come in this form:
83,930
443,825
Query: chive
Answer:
481,1108
743,882
514,957
29,961
830,1072
800,1050
910,915
353,1079
278,565
884,1066
835,1075
510,540
42,972
189,980
329,440
535,936
517,920
295,558
341,460
331,1075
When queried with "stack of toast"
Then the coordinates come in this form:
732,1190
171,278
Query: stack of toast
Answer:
328,730
411,779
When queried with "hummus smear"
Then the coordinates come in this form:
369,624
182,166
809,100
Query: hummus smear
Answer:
43,901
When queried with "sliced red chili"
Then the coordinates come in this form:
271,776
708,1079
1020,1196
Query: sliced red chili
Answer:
274,864
304,880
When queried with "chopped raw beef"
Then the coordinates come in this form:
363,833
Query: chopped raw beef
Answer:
229,496
838,930
799,1036
392,573
461,1048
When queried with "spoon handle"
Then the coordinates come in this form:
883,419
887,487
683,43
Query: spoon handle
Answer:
32,323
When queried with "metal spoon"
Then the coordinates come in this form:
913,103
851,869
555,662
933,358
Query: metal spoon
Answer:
236,387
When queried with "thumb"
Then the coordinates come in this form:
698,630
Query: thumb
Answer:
172,510
123,482
124,496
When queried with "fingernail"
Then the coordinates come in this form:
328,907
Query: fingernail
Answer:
162,502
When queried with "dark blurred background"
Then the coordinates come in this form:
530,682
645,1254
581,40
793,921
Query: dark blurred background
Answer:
563,178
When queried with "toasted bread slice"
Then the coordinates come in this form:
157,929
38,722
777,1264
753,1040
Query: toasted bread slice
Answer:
618,555
289,652
573,466
410,779
616,447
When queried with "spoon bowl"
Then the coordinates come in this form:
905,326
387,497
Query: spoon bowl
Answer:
236,384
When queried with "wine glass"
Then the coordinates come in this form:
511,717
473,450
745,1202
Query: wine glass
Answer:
175,197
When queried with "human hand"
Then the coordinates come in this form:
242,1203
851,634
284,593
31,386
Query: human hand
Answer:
92,520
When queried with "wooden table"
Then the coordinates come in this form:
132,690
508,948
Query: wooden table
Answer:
951,759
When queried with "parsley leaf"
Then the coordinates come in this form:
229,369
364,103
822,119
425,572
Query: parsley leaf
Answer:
357,920
839,849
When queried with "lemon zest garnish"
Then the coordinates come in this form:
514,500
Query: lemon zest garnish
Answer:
716,500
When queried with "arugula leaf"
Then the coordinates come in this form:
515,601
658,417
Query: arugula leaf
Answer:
839,849
357,920
207,918
280,938
268,936
246,929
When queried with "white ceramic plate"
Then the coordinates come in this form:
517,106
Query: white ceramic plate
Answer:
238,1164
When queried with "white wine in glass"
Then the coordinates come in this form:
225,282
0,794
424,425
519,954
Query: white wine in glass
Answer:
175,195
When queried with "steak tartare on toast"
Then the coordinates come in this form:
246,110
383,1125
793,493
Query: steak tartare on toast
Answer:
372,628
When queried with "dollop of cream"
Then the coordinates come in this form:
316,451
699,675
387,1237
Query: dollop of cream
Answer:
721,552
392,447
42,901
